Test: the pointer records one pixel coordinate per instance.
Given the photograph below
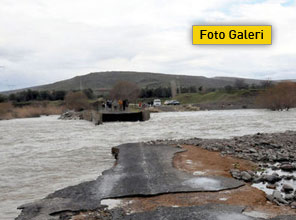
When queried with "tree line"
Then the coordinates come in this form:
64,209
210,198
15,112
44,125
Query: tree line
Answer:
34,95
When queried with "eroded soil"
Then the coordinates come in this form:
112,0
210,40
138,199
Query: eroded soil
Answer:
198,160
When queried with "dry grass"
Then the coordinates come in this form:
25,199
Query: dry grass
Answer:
8,111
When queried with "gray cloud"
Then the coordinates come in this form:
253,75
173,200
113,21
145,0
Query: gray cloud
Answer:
46,41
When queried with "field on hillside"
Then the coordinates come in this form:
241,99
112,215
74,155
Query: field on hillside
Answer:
217,96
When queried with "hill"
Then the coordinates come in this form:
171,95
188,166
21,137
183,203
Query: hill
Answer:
99,81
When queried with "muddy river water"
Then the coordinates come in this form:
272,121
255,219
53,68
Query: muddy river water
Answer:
41,155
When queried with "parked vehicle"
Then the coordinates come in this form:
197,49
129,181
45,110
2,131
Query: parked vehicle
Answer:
156,102
175,102
172,102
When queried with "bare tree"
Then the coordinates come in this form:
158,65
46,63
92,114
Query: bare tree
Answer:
125,90
77,101
279,97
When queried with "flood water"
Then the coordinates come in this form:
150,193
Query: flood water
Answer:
41,155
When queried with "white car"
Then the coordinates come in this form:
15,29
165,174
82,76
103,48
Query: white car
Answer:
156,102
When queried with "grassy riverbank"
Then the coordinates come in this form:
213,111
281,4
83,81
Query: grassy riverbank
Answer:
217,96
237,99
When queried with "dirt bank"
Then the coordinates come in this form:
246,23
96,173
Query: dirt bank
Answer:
203,162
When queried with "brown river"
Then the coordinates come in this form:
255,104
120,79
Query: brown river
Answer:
41,155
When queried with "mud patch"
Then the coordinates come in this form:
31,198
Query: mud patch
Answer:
204,162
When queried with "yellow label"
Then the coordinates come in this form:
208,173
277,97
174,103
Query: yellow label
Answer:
231,34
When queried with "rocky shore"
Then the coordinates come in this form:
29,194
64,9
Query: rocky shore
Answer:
71,115
274,154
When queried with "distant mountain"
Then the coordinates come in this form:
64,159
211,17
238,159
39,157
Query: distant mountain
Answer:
102,81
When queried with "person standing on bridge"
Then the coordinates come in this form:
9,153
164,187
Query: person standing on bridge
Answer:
115,105
120,103
124,104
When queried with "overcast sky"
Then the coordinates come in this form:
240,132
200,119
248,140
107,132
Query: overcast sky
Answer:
44,41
